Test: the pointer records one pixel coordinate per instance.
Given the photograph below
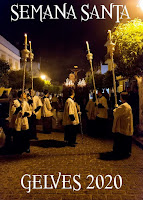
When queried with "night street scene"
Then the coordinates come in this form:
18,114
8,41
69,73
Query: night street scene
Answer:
71,100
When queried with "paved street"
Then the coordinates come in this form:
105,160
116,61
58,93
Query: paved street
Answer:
49,156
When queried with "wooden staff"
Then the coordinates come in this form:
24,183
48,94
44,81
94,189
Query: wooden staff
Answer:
90,58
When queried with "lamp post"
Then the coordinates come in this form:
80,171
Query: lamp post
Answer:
31,56
90,58
111,51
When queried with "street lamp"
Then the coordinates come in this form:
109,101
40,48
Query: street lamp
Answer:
43,77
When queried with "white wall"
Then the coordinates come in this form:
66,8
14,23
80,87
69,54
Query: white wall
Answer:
9,53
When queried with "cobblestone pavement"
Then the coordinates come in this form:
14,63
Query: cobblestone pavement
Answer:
49,156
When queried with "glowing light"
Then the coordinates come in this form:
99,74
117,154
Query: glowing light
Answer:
81,83
140,4
43,77
25,35
69,83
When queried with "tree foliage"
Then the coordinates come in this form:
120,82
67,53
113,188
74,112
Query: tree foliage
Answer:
98,80
108,80
38,84
4,67
55,89
128,54
16,79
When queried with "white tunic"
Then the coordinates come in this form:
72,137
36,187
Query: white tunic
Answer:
47,108
21,123
91,110
123,120
102,112
70,109
36,102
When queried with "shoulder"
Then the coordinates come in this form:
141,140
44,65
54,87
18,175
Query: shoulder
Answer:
127,106
103,98
26,103
15,102
46,99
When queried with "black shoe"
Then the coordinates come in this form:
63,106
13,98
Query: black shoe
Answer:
71,145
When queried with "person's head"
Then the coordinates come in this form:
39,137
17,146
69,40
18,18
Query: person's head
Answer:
124,97
135,89
128,89
31,92
71,93
13,93
19,94
46,92
99,92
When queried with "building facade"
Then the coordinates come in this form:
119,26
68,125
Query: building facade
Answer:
9,53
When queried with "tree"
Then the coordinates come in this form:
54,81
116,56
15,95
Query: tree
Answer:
128,54
55,89
16,79
4,67
98,80
108,80
38,84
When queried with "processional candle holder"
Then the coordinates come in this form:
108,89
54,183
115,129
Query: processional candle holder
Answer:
90,58
25,56
111,51
31,56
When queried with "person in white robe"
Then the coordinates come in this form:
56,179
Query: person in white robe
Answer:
47,113
91,110
102,114
123,128
20,108
35,106
70,119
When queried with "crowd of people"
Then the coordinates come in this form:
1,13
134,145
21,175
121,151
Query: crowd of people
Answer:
19,114
25,109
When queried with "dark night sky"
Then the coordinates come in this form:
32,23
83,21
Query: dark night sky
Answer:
61,43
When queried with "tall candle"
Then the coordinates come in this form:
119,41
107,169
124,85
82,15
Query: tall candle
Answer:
109,32
25,41
87,47
30,45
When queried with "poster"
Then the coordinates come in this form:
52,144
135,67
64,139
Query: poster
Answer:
58,31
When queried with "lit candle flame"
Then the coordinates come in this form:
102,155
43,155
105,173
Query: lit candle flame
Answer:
30,45
109,32
25,40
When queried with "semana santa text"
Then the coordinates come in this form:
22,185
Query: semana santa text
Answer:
55,12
